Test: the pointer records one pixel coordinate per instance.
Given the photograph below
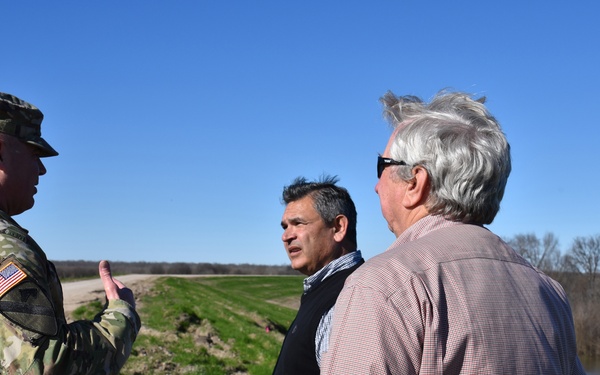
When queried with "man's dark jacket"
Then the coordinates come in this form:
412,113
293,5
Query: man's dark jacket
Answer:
297,354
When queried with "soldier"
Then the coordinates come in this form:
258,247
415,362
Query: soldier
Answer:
34,335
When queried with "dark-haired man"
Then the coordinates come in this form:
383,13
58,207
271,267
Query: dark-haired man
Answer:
319,236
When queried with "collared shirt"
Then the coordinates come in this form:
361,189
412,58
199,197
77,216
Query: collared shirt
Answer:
451,298
323,330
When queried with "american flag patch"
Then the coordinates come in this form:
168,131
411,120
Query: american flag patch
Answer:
10,276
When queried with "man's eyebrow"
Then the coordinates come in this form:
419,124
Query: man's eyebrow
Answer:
293,220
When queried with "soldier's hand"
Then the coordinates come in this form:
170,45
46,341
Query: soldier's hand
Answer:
114,288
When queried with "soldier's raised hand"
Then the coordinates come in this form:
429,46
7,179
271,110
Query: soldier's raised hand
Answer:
114,288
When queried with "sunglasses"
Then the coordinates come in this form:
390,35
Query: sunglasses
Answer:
383,163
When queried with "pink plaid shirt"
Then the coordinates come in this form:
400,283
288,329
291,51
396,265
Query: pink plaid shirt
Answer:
451,298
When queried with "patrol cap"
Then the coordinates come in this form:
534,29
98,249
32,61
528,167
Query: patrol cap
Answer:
23,120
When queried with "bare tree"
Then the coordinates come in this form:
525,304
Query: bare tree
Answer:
550,259
544,254
527,245
567,265
585,252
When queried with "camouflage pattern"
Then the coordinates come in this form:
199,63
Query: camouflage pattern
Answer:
23,120
34,335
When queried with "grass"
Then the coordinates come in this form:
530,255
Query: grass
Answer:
211,325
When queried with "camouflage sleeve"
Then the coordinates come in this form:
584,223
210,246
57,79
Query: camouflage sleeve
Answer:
34,335
100,346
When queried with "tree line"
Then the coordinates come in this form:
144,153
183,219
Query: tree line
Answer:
576,269
76,269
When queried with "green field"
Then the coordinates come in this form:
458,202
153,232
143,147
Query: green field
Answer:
212,325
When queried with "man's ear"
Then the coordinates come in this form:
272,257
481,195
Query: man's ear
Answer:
417,189
340,227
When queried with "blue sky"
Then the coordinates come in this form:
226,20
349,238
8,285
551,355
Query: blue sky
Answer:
178,123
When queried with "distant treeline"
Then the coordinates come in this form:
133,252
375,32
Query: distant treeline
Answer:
70,269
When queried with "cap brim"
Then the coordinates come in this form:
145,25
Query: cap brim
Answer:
45,148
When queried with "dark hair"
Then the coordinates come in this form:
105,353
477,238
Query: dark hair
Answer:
329,200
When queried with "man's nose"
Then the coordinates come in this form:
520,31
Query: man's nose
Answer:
41,168
287,235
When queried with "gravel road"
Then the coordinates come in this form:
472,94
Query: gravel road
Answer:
78,293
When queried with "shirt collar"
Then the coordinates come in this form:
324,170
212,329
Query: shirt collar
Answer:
423,227
341,263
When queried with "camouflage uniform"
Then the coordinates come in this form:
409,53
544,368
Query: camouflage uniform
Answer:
34,335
